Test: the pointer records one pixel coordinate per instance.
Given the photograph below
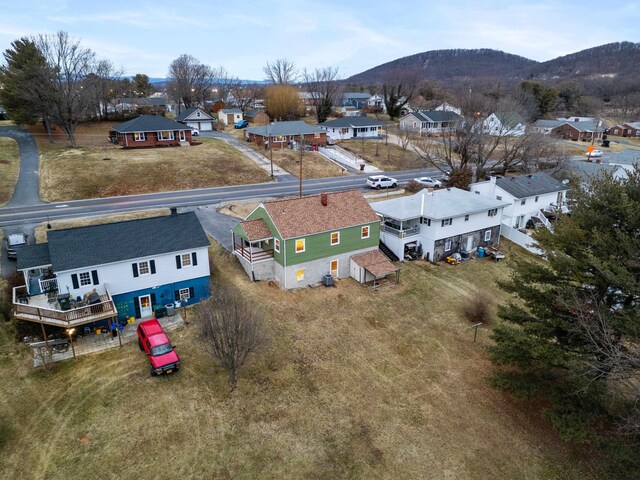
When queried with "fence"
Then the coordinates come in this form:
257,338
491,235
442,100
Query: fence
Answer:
522,239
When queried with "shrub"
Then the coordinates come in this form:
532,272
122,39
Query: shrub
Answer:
477,307
414,187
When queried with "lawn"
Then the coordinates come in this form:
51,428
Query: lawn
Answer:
389,157
99,169
9,168
354,384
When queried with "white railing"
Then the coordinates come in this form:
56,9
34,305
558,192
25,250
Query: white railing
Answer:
545,221
407,232
522,239
48,284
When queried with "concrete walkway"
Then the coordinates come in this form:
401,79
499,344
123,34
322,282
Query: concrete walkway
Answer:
259,159
27,191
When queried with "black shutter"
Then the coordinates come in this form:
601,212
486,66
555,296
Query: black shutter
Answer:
177,295
192,292
136,306
94,275
74,280
178,262
135,269
194,257
153,300
152,264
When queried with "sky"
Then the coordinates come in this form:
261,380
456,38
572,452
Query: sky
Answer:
353,35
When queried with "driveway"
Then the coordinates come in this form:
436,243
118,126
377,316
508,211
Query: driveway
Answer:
27,191
216,224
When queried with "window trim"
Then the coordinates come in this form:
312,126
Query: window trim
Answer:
148,266
337,242
487,235
184,297
300,275
161,138
276,245
450,243
492,212
81,283
139,137
189,264
362,229
446,222
304,245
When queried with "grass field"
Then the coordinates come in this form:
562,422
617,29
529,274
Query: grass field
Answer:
99,169
389,157
354,384
9,168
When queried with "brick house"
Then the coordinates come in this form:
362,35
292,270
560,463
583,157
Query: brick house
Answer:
286,134
585,131
150,131
257,116
631,129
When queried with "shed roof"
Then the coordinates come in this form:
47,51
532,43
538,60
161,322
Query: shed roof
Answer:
375,263
523,186
285,128
352,122
298,217
148,123
79,247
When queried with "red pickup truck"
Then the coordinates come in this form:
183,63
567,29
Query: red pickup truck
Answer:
154,342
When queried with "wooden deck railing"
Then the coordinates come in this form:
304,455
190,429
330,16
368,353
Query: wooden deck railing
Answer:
255,255
105,308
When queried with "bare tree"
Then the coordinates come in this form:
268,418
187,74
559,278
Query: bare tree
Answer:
322,87
232,329
67,95
102,83
244,95
283,102
398,88
281,72
190,82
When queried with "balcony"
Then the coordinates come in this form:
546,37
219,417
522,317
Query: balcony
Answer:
46,308
401,232
252,253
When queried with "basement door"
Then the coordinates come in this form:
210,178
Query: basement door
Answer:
146,309
334,268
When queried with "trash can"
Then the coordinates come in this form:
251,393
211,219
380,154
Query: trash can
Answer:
170,309
480,252
362,167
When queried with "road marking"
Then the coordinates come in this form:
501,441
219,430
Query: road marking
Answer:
61,206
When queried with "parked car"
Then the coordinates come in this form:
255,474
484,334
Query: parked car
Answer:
381,181
12,242
428,182
195,131
154,342
241,124
594,154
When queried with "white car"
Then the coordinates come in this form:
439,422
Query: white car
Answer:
195,131
428,182
594,154
381,181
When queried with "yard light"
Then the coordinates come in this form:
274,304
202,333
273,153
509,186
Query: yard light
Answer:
73,349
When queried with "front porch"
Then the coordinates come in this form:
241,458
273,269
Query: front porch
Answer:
61,310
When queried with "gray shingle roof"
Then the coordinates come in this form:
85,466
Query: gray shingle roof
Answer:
149,101
357,95
230,110
185,113
585,126
509,119
586,170
524,186
148,123
548,123
440,204
115,242
253,112
436,116
31,256
352,122
285,128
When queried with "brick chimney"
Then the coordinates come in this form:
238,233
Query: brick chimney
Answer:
323,198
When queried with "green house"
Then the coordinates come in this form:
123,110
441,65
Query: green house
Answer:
300,240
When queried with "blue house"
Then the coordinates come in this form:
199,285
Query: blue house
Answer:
113,271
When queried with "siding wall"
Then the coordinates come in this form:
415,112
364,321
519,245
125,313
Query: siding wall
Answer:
151,140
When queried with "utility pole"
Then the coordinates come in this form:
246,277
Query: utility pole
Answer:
270,150
301,152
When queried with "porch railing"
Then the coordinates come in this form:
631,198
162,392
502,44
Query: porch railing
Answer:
48,285
105,308
252,254
401,233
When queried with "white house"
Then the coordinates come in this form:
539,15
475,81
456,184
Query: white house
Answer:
229,116
196,118
441,222
376,103
504,124
115,270
430,122
447,107
526,196
352,127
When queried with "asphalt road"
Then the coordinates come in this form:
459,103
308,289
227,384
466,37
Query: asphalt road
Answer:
11,215
27,191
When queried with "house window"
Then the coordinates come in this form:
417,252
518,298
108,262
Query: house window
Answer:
183,136
300,245
425,221
466,218
335,238
364,232
316,135
536,198
165,135
447,221
185,259
143,268
300,275
198,113
85,278
615,132
493,212
276,245
522,202
498,197
184,294
477,192
139,137
447,245
487,235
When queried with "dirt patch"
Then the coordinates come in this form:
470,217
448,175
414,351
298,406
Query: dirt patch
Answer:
387,157
9,168
240,210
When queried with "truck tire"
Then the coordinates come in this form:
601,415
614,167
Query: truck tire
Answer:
140,344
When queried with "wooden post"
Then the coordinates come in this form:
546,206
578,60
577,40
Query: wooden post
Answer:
118,328
44,334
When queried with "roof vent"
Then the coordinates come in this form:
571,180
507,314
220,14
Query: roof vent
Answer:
513,178
324,199
174,210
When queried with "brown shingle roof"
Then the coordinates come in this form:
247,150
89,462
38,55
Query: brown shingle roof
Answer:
375,263
256,229
298,217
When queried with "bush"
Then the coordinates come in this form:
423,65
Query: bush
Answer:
414,187
477,308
